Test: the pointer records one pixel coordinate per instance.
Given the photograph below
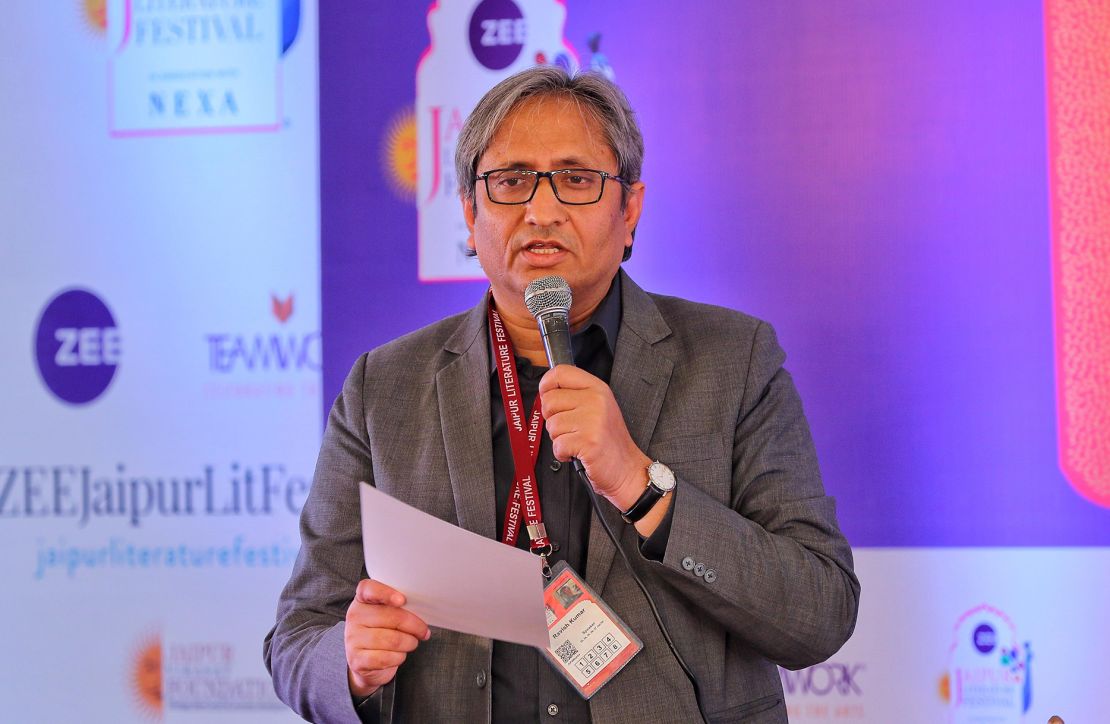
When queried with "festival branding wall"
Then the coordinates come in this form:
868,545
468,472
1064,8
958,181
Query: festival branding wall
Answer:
913,193
159,253
878,182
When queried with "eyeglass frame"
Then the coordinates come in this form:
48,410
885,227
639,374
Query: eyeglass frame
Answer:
550,176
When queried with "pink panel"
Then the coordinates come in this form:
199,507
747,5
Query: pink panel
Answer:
1077,40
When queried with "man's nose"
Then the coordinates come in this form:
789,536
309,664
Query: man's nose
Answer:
545,208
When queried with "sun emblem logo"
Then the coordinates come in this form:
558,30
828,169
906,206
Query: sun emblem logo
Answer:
146,677
399,154
95,14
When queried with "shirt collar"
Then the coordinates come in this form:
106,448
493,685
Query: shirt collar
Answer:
607,318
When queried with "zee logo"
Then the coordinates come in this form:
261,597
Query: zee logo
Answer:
984,638
87,346
77,346
498,31
503,32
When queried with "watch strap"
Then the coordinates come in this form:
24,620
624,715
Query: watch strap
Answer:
643,504
660,482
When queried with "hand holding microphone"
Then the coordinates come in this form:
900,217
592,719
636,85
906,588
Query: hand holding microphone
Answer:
582,416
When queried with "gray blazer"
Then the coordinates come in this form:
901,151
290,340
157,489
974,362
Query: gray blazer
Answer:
702,389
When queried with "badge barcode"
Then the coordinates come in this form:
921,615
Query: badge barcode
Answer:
566,652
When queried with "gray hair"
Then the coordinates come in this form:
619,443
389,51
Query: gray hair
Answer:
594,92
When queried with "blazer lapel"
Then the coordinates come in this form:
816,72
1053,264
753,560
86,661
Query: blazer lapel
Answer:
462,388
639,382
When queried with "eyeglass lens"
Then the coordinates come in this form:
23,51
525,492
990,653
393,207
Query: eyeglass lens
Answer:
575,186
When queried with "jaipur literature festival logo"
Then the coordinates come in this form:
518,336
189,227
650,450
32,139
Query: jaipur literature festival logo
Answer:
195,67
989,677
77,346
472,45
166,675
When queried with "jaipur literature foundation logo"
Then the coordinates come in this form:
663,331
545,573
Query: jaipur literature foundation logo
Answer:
145,676
165,674
77,346
988,678
95,14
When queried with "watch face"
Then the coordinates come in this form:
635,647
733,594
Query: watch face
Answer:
661,476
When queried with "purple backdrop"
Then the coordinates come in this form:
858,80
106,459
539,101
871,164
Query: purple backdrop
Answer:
872,181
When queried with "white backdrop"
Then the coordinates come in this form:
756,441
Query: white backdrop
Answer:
174,177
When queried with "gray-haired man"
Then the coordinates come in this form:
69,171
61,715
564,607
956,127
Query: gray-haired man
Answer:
681,414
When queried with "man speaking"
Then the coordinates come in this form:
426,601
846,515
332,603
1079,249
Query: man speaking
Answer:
678,415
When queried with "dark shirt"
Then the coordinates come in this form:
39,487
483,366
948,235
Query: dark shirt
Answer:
525,684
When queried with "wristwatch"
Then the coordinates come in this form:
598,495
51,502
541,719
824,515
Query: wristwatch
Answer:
659,485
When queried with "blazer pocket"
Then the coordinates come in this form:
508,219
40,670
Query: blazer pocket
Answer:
744,711
688,448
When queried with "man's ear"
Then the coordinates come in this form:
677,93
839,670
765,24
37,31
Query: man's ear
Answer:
633,207
469,208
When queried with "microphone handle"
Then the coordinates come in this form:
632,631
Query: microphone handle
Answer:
555,330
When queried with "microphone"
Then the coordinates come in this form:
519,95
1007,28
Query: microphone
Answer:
548,299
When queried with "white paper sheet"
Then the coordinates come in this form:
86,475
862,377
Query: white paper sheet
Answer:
451,577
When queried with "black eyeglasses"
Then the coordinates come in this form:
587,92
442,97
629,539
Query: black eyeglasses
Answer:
574,186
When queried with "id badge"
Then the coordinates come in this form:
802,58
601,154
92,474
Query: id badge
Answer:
589,642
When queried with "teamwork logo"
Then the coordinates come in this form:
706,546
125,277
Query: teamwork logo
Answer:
830,691
196,67
77,346
989,677
473,45
278,356
280,350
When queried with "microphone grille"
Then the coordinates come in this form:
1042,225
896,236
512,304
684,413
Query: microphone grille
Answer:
548,294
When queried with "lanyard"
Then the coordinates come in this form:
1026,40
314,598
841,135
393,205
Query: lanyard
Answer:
525,443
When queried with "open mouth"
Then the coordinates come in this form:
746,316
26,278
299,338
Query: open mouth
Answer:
543,247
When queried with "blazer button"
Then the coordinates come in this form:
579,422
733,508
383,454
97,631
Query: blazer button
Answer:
556,466
480,680
688,563
552,710
710,575
699,570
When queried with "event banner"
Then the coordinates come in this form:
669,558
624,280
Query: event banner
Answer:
890,219
162,368
881,185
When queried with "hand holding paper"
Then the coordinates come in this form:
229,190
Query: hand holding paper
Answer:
450,577
378,636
